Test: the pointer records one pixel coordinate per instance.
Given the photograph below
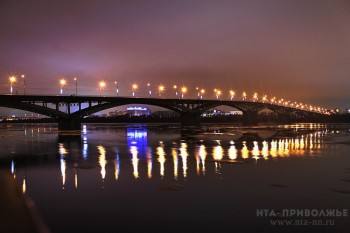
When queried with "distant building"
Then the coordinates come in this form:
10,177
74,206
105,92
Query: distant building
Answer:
216,112
138,111
116,113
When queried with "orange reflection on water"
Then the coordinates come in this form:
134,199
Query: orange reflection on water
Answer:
116,167
245,151
218,153
184,154
161,158
102,160
255,151
149,163
75,178
273,149
232,152
202,155
175,161
265,150
24,186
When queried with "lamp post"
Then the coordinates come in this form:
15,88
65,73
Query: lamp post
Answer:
217,93
264,99
149,90
62,83
161,88
134,88
12,80
255,97
76,86
116,88
232,94
202,93
102,85
175,88
24,84
244,95
183,91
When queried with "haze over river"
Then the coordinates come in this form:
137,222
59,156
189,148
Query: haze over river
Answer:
157,178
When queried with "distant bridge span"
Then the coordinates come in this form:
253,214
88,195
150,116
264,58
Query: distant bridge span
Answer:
189,109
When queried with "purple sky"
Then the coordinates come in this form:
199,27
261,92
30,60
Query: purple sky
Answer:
297,50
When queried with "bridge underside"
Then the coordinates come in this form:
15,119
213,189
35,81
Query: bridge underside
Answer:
190,110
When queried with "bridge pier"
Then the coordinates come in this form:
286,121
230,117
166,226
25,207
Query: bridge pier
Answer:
69,124
285,118
250,117
190,119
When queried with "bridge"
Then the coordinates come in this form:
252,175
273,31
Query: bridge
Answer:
190,110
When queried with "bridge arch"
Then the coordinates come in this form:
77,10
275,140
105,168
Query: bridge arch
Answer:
189,109
42,110
215,105
104,106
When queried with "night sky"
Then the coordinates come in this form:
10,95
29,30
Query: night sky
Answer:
297,50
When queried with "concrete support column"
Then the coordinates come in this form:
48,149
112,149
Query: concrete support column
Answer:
285,118
190,119
73,123
250,117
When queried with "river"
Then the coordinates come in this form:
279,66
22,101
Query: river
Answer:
158,178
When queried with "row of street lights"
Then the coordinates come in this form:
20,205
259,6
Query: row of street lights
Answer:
161,89
180,92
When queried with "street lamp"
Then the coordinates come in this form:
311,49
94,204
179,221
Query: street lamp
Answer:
12,80
175,88
101,85
183,91
149,90
134,88
202,93
161,88
24,84
116,88
198,92
244,95
217,93
232,94
273,100
264,98
76,86
62,83
255,97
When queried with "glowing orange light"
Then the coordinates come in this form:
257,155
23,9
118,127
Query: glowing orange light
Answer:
12,79
63,82
102,84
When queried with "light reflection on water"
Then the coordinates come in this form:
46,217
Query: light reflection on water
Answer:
130,159
141,149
